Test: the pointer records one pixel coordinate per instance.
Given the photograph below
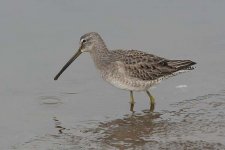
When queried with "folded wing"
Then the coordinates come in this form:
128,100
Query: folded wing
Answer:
145,66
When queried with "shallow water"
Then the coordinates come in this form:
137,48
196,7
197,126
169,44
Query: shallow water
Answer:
80,111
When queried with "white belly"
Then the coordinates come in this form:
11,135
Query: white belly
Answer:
130,84
116,75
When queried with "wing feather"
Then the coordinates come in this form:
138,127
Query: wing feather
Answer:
146,66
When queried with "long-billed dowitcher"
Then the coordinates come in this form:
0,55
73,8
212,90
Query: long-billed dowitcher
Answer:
130,70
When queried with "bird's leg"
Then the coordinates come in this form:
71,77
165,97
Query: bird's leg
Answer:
131,101
152,101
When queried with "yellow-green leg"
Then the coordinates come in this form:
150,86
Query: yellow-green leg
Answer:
152,101
131,101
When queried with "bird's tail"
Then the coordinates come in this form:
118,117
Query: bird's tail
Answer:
181,64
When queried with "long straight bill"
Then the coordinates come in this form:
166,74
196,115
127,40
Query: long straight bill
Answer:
68,63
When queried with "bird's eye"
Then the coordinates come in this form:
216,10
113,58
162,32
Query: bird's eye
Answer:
83,41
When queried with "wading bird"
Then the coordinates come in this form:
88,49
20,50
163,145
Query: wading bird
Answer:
131,70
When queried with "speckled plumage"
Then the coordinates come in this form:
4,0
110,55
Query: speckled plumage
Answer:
138,71
131,70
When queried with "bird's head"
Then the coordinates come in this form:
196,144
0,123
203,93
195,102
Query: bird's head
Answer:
88,43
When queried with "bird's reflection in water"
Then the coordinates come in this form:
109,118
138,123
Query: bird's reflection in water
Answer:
129,131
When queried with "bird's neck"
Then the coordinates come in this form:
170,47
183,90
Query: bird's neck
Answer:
100,56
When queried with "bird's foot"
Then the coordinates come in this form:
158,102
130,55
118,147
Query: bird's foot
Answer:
152,107
132,107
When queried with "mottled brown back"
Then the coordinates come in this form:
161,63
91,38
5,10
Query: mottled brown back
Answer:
146,66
